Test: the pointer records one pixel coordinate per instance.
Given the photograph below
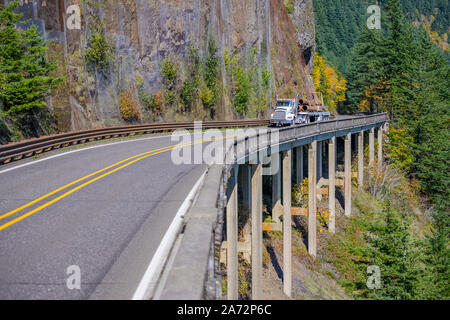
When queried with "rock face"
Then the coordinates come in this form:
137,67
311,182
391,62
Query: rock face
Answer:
145,32
305,29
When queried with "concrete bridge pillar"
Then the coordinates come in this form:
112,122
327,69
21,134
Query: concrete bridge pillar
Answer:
319,160
348,175
287,224
380,147
257,235
361,158
277,210
312,198
232,237
245,181
332,184
299,164
371,146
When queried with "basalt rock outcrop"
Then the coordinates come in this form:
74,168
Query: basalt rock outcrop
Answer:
145,32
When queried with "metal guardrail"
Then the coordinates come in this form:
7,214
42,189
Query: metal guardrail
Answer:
20,150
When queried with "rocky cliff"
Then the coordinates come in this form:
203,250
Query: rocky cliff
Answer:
259,34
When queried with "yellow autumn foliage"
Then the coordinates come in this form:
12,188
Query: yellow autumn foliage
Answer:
400,144
329,82
440,40
323,215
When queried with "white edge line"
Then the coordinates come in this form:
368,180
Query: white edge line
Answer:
151,275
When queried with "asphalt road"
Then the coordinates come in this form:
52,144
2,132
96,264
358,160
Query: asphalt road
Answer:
109,226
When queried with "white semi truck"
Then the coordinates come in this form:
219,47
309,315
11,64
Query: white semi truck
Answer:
297,111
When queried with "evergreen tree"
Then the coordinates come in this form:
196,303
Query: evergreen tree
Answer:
338,24
435,281
401,70
398,55
24,69
366,88
212,73
428,119
393,250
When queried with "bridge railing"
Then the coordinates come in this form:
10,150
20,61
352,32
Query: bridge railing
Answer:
262,139
187,280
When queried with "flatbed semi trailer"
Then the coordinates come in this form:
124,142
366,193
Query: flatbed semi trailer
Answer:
294,111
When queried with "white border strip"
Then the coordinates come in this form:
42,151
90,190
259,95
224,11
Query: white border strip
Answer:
151,276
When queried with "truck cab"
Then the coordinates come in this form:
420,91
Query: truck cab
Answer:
285,112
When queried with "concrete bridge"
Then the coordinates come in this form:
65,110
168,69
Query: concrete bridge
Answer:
124,220
211,224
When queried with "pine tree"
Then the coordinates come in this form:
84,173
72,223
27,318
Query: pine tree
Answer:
398,55
24,69
366,87
402,70
428,122
393,250
435,280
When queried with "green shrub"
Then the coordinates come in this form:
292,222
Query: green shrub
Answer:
169,72
190,87
206,95
243,89
212,73
145,99
249,86
289,5
100,51
189,92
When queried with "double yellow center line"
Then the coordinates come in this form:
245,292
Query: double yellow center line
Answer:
123,164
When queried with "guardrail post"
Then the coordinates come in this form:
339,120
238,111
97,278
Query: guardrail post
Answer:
348,175
332,183
232,239
287,218
380,147
371,146
299,164
361,158
257,239
276,190
312,198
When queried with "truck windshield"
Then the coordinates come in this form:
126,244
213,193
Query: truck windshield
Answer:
283,103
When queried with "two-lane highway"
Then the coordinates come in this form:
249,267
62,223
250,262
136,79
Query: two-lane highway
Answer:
104,209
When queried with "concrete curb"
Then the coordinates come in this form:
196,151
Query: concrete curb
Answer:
189,272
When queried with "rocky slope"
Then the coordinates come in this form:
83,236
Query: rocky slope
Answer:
145,32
